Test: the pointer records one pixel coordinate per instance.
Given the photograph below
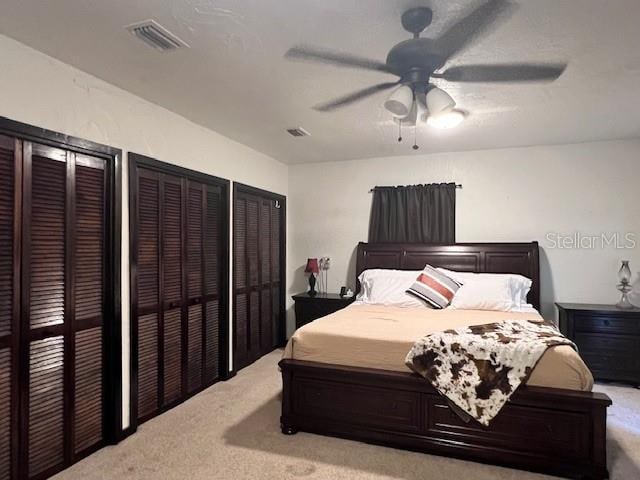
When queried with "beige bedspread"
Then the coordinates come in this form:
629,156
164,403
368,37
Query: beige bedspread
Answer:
375,336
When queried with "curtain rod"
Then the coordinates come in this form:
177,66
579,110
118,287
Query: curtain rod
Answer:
458,185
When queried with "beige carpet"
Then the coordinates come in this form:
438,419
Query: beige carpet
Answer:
231,431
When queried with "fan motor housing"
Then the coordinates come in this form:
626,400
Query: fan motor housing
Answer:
414,54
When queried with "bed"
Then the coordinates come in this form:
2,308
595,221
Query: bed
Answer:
553,424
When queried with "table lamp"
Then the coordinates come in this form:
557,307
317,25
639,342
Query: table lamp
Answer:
312,269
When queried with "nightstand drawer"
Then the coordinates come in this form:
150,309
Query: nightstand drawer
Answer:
612,346
605,324
609,356
610,367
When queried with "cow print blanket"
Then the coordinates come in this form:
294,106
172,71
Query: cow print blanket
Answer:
479,367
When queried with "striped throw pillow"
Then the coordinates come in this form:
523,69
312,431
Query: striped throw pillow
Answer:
434,287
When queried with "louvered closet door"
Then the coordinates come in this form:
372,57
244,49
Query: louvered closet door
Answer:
63,302
213,239
257,283
9,304
203,284
178,288
194,285
88,263
276,287
241,344
44,279
172,283
148,292
160,291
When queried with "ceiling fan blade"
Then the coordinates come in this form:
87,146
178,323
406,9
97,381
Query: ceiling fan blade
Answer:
514,72
354,97
338,59
471,27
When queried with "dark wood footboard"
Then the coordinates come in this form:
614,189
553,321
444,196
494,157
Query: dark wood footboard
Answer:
561,432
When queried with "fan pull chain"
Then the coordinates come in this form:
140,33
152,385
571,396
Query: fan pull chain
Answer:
400,130
415,137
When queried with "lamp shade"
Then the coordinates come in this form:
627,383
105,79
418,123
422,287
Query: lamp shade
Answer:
409,120
624,274
312,266
439,101
400,101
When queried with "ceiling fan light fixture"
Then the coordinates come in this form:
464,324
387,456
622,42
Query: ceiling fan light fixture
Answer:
400,102
411,119
438,101
448,119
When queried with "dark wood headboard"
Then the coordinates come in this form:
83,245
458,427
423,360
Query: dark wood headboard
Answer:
520,258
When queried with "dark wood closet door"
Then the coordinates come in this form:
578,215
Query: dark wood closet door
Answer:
148,291
56,256
45,193
195,264
276,285
62,306
177,287
258,285
160,293
204,232
10,151
172,288
214,218
88,264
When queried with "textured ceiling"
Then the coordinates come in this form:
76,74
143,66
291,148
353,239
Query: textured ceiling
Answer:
235,80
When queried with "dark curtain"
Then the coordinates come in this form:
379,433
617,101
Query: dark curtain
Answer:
414,214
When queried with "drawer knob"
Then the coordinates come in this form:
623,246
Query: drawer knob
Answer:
606,323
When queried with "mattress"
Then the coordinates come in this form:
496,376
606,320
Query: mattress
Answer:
377,336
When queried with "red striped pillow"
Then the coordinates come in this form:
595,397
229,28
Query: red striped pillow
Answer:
434,287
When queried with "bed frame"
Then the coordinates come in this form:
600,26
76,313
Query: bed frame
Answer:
548,430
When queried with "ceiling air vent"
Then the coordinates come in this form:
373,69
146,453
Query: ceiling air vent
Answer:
156,36
298,132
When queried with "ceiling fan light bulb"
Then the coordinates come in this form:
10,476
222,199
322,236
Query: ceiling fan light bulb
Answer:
448,119
400,102
439,101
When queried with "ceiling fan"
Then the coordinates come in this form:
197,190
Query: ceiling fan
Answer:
418,60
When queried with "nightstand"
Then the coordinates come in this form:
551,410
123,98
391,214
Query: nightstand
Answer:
608,339
309,308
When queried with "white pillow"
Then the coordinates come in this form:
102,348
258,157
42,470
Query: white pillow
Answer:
488,293
519,285
388,287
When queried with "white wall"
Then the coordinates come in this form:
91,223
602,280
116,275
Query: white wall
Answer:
39,90
508,195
